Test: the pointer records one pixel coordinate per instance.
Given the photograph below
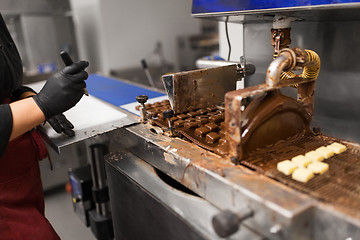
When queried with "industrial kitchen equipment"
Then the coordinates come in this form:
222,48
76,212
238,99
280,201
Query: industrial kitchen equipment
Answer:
218,148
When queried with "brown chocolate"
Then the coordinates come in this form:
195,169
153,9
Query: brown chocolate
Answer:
190,120
202,131
157,104
270,118
211,108
173,119
222,140
212,137
222,150
216,118
201,121
202,111
160,116
182,116
193,114
212,126
190,125
179,123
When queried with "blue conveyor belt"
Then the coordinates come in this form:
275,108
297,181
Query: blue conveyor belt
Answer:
116,92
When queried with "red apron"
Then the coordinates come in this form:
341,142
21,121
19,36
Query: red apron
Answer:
21,193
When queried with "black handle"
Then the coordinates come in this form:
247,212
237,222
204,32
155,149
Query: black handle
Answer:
66,58
227,222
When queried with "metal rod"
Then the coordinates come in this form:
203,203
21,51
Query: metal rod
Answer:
147,72
99,175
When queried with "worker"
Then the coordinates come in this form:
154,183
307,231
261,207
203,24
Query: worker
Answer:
21,147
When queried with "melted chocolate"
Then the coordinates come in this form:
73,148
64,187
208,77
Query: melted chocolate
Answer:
271,118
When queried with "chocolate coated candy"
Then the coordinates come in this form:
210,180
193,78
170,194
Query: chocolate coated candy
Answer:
201,131
212,137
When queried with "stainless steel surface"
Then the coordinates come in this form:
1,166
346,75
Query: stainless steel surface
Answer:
336,103
72,156
40,37
10,7
227,186
199,88
194,210
91,117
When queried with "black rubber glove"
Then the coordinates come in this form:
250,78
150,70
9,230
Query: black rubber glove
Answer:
63,90
61,125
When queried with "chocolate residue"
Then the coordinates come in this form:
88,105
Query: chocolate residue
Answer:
271,118
267,119
275,128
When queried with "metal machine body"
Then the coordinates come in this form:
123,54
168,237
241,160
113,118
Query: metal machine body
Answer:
279,211
337,85
250,199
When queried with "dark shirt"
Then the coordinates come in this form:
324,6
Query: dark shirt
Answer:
11,74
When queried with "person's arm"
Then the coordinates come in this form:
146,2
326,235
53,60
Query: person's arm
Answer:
58,122
60,93
26,115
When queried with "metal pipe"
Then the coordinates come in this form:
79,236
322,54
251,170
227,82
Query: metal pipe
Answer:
284,62
280,68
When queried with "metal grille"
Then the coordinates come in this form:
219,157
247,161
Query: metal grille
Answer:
339,186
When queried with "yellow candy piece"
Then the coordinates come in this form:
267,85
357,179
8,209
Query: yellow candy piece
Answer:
337,147
302,175
318,167
286,167
314,156
301,160
325,152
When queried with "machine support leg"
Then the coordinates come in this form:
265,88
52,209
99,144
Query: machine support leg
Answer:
100,219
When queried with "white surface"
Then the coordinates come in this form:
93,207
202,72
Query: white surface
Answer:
131,106
236,41
88,112
90,117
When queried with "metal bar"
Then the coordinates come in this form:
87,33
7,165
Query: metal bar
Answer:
99,175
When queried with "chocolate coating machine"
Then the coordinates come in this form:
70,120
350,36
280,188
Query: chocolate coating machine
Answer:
203,151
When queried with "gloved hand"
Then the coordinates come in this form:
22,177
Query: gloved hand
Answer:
63,90
61,124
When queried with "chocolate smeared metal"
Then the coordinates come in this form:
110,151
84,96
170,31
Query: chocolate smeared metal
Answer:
270,118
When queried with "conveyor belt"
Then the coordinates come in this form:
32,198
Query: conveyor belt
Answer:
116,92
339,186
